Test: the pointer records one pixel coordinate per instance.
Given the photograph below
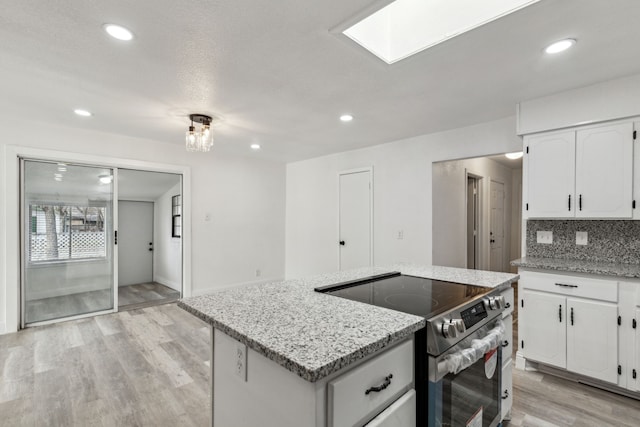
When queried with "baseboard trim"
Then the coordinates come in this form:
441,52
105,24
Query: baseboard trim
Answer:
211,289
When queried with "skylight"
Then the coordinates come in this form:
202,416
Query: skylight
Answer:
406,27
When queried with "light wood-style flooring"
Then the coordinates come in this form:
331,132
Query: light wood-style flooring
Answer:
147,367
150,367
145,295
129,297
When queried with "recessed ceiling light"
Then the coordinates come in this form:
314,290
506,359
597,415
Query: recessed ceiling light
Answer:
346,117
57,175
118,32
255,146
83,113
106,179
560,46
514,156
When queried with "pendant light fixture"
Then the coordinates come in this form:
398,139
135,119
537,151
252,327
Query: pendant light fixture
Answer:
199,140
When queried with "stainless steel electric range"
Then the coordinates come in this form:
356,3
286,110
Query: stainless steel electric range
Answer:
457,355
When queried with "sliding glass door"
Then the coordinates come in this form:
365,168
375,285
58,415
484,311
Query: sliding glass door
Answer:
67,240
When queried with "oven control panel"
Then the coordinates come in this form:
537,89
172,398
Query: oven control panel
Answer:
474,314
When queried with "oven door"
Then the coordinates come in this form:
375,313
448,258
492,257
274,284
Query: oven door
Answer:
465,382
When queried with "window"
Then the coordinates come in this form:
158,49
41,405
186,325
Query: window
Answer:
176,218
65,232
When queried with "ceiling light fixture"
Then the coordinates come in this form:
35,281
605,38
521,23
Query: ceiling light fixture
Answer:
255,146
83,113
201,140
346,117
560,46
118,32
514,156
106,179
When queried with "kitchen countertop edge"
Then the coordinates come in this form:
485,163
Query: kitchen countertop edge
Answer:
580,266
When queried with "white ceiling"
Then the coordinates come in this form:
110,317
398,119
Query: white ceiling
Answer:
279,77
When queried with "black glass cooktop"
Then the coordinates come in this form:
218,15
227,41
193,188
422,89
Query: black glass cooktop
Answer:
409,294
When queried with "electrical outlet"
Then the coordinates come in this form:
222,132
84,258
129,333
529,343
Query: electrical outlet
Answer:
400,235
207,217
241,361
258,272
544,237
582,238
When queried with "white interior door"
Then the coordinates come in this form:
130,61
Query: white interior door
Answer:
496,232
135,242
355,219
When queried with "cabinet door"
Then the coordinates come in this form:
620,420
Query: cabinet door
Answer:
544,332
592,339
635,360
604,171
551,175
402,413
636,170
507,389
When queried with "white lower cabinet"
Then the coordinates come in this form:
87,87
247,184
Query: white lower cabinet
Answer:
401,413
571,323
635,368
507,350
507,389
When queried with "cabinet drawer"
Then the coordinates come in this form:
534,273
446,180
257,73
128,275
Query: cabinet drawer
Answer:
402,413
348,402
507,389
507,344
508,298
583,287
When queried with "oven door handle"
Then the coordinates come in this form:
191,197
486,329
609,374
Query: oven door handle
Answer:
458,361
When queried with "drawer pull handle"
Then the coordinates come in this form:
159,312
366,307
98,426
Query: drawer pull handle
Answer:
564,285
507,305
505,343
505,395
385,384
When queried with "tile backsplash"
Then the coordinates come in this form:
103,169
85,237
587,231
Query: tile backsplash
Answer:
608,241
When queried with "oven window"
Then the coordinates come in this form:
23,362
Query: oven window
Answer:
470,398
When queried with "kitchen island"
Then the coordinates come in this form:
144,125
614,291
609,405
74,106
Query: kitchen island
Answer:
276,346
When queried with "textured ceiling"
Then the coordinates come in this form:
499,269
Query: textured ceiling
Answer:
279,77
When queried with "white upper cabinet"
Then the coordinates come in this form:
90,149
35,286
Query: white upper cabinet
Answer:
604,171
551,175
585,173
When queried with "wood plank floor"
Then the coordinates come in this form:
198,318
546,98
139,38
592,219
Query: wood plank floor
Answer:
145,295
146,367
149,367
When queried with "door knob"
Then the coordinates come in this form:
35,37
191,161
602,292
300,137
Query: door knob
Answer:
341,242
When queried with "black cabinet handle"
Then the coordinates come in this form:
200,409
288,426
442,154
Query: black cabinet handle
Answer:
341,242
564,285
505,395
385,384
571,316
507,305
560,312
580,202
569,202
505,343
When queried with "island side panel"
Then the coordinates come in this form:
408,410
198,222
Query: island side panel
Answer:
271,396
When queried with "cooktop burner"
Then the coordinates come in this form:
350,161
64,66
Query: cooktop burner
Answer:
409,294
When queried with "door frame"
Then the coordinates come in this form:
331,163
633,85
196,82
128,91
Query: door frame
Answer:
504,217
368,169
481,239
12,183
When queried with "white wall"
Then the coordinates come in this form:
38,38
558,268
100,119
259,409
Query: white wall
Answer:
402,195
167,251
244,196
449,210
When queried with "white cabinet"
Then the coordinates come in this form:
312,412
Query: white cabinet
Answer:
635,363
507,393
401,413
592,339
543,324
551,175
570,323
507,349
584,173
604,171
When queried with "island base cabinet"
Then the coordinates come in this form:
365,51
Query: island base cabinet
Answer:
592,339
401,413
543,334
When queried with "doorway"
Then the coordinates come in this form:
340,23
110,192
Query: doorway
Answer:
355,219
79,227
496,226
473,220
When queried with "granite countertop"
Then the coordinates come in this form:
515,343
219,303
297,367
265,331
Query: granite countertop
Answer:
580,266
312,334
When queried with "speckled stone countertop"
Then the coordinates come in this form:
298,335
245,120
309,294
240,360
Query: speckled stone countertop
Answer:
580,266
313,334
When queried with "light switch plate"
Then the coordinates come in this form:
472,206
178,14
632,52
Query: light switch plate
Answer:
241,361
582,238
544,237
